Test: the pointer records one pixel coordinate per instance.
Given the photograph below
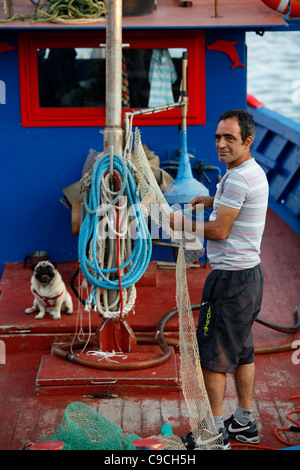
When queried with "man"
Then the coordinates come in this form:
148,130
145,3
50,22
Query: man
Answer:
232,293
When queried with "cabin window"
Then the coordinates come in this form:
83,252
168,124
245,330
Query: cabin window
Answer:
62,77
75,77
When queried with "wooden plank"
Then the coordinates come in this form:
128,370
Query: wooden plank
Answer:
111,409
131,417
26,423
9,413
151,416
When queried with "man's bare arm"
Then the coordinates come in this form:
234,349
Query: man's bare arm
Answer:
217,229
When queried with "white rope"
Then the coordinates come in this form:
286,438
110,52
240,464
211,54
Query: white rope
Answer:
107,355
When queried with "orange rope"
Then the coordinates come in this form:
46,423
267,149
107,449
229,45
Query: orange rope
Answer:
289,428
251,446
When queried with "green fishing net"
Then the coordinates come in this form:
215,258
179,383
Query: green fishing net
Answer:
83,428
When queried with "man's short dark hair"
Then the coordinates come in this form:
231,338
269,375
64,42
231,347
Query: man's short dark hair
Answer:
245,119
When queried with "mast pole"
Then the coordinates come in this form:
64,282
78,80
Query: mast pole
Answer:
113,133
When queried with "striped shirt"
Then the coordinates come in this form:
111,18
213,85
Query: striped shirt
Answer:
245,188
162,74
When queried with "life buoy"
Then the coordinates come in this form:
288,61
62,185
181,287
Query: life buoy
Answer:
282,6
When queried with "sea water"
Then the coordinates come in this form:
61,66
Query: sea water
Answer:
273,74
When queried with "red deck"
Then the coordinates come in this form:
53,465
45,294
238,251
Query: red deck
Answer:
142,400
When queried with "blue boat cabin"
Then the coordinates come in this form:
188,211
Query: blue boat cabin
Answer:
52,106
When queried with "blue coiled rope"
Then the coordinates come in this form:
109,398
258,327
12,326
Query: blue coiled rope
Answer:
142,249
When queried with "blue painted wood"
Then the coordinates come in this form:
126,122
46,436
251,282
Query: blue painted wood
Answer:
277,148
37,163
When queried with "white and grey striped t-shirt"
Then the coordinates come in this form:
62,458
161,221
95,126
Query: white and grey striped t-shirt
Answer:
246,188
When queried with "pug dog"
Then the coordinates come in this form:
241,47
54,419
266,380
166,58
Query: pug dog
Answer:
49,290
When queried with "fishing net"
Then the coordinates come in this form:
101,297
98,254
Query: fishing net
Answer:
185,187
153,205
202,424
192,382
83,428
157,208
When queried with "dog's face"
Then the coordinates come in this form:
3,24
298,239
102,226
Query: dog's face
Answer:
44,271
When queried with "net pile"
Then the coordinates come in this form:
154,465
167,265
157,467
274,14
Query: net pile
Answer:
83,428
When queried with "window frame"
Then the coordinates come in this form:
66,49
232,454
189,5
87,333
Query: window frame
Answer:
32,115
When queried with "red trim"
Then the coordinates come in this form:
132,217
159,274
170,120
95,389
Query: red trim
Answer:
32,115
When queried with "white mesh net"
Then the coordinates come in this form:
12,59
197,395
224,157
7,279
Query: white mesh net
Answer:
154,204
201,419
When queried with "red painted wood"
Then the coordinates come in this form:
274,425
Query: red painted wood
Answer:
26,416
59,374
170,14
115,336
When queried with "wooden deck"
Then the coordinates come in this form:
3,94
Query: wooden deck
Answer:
26,416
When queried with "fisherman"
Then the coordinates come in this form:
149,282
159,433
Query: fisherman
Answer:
232,293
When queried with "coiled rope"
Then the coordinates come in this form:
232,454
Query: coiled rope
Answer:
112,259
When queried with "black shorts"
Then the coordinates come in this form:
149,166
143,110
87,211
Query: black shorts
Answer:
231,301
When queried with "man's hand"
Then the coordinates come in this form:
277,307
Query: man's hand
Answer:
207,201
177,221
217,229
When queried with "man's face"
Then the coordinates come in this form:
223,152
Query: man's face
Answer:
230,147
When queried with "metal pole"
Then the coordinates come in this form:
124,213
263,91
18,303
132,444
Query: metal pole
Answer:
217,13
113,134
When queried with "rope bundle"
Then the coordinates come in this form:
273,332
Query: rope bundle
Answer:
111,260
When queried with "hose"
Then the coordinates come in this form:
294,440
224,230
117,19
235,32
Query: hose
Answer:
282,328
63,351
